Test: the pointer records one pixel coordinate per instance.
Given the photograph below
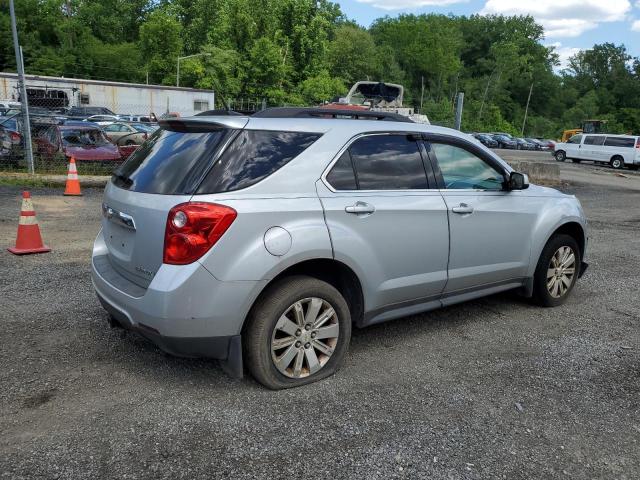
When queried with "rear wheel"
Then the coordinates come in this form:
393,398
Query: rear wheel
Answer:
298,332
560,156
557,271
617,162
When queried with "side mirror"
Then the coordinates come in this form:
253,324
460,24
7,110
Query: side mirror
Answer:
517,181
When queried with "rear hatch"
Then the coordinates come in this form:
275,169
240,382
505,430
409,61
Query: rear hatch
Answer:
162,173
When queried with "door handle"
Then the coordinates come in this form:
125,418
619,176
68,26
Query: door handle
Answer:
360,208
462,209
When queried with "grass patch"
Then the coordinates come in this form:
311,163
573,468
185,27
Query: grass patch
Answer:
32,181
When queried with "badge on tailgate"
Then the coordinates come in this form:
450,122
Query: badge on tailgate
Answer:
117,217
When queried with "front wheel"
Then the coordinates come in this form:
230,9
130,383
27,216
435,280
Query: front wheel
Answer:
298,332
557,271
560,156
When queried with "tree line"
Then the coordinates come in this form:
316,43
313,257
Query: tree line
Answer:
303,52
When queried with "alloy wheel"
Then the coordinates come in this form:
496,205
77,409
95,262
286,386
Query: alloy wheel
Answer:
304,337
560,273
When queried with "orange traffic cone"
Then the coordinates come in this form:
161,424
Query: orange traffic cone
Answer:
73,184
28,239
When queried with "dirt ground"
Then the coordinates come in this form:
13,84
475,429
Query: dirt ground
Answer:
495,388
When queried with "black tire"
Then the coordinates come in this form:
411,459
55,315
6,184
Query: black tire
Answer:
264,315
560,155
576,160
617,162
541,294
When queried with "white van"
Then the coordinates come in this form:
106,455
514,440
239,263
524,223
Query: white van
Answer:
619,151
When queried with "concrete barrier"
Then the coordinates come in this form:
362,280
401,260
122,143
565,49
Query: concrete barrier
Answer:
540,173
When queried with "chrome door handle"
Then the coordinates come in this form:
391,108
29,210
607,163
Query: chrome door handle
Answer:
360,208
462,209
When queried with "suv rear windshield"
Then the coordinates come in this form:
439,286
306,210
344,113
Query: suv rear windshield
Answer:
175,162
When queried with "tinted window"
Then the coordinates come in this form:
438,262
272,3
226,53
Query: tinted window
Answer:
620,142
254,155
170,162
388,162
462,169
342,176
575,139
593,140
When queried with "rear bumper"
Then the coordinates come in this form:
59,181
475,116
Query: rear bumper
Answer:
226,348
185,310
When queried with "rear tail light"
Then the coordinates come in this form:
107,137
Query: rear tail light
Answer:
15,137
193,228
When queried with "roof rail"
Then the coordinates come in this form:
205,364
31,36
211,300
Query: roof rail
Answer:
305,112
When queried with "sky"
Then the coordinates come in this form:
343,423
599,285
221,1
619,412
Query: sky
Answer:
570,25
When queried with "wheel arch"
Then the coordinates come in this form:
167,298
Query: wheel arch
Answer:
335,273
570,227
575,230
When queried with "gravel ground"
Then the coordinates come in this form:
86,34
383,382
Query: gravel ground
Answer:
495,388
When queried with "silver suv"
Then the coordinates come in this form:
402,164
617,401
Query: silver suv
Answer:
261,240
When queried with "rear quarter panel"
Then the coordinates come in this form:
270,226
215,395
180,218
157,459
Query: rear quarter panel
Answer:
241,253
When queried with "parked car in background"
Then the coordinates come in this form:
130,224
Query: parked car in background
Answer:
505,141
486,139
522,144
80,113
103,119
84,143
136,118
10,139
550,144
261,241
537,143
127,133
619,151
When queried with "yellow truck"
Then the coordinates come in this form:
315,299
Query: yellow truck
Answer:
588,126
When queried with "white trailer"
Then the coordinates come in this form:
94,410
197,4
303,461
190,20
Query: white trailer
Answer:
119,97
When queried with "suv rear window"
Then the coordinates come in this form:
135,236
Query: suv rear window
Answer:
253,156
170,162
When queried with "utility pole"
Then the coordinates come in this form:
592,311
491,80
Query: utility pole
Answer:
526,110
421,94
459,107
26,128
484,97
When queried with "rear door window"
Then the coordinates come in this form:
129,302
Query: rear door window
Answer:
253,156
388,162
625,142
